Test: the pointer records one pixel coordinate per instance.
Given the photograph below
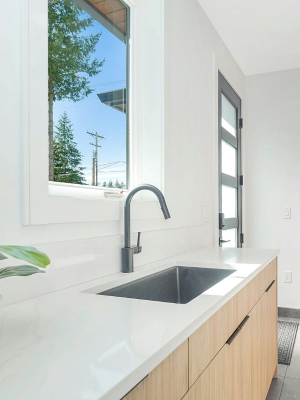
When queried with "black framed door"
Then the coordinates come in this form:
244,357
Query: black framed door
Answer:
230,174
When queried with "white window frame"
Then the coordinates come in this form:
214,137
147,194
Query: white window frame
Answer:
50,202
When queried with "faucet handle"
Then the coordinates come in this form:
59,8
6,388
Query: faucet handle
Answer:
138,248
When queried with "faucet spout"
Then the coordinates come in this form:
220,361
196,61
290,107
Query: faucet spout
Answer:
128,250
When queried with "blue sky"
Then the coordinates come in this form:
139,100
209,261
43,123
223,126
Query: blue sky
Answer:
93,116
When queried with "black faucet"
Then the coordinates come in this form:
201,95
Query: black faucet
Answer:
128,251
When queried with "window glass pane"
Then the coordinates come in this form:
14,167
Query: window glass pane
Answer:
228,116
229,201
87,79
228,159
229,234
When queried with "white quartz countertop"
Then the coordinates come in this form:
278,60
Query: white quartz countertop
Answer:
75,345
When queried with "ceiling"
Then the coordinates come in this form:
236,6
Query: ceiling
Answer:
262,35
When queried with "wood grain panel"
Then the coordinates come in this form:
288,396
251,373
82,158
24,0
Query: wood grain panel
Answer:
207,341
256,346
238,365
201,388
272,330
169,380
256,290
219,389
264,344
139,392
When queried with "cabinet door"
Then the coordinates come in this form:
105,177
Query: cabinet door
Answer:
139,392
260,375
219,387
272,331
169,380
256,352
238,362
208,340
264,345
201,388
230,370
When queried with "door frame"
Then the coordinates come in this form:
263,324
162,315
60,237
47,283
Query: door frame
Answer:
225,89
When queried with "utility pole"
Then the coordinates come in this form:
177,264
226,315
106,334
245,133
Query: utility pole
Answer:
93,169
95,156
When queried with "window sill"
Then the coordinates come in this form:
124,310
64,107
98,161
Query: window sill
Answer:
60,189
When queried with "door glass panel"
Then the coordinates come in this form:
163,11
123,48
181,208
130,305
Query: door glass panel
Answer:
229,201
228,159
228,116
229,234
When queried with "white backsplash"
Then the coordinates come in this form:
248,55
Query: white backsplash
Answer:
77,261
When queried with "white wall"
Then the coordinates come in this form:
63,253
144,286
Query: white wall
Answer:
272,172
87,250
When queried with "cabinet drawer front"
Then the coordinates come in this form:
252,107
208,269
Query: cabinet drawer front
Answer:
269,274
207,341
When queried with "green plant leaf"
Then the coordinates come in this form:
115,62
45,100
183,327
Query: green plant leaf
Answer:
20,270
2,257
28,254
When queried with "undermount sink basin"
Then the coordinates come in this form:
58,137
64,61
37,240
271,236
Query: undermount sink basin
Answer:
174,285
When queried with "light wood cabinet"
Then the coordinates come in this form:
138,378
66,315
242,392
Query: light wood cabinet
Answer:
245,368
272,329
139,392
218,385
230,370
207,341
168,381
233,356
264,343
238,363
201,389
256,351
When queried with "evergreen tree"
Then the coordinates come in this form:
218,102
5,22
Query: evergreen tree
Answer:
120,185
69,52
67,158
116,185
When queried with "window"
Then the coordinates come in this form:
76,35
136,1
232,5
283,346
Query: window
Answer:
230,191
88,81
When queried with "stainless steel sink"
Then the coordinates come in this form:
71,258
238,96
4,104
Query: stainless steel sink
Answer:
174,285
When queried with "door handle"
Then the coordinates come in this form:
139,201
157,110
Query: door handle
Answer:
238,330
269,287
223,241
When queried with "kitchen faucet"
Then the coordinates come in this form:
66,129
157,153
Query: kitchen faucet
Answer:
128,251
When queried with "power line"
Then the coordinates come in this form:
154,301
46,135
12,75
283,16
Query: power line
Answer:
108,83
